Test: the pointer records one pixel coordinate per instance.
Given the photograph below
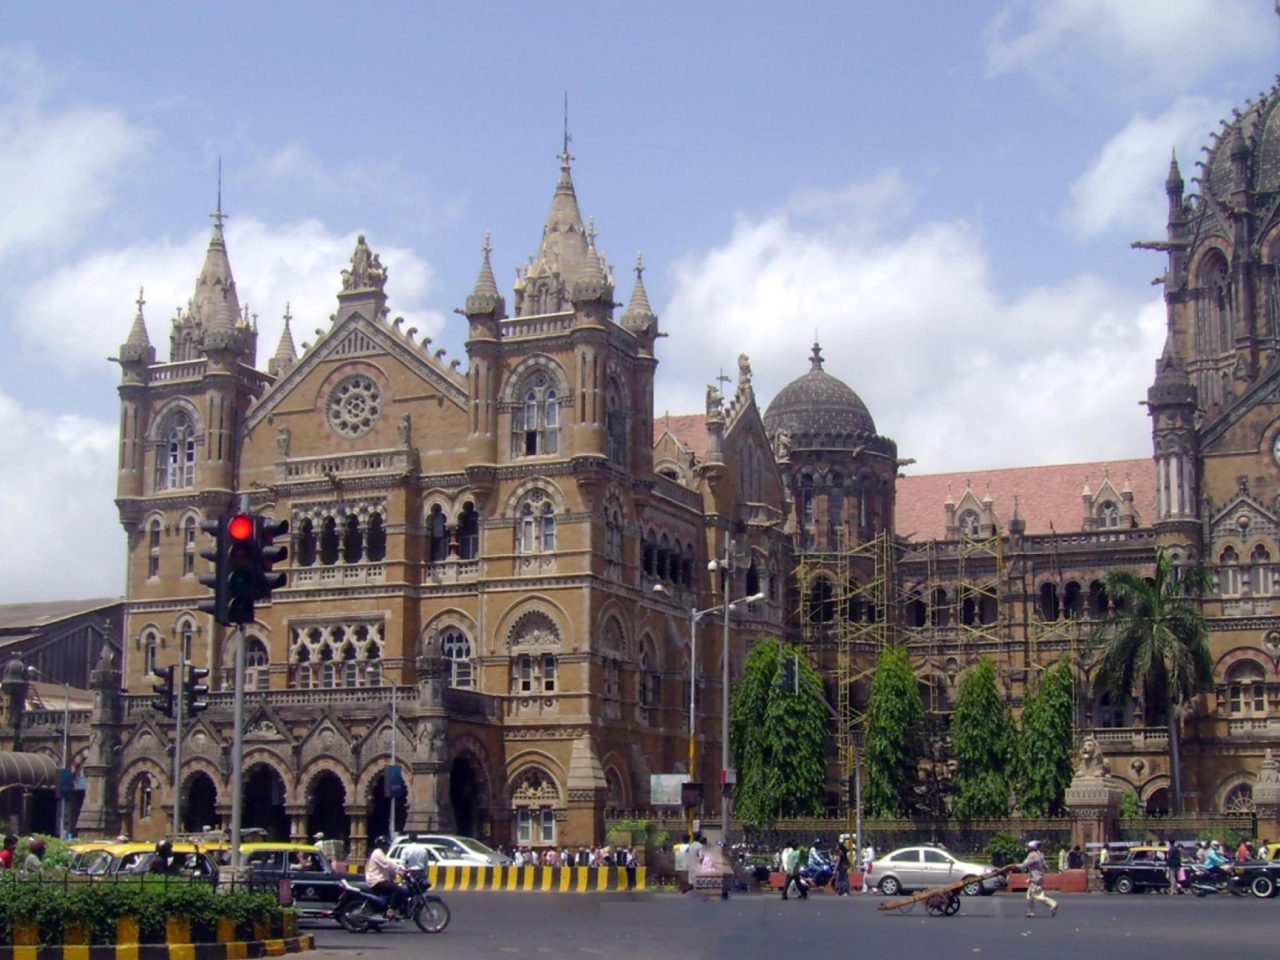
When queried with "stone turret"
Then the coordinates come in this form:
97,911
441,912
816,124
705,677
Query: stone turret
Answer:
286,353
484,311
639,317
137,349
550,275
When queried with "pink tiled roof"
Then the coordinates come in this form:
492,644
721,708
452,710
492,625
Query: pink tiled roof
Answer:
689,428
1047,496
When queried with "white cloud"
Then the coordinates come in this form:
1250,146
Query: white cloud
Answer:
1122,188
57,166
959,373
57,474
298,264
1130,46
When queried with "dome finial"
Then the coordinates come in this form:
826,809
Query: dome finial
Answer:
816,359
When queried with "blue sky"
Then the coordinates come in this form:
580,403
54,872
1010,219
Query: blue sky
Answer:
946,192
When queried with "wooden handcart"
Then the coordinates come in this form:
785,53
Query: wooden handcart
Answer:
939,901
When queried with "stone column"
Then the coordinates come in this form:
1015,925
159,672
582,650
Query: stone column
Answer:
1266,797
1093,799
586,787
358,848
297,814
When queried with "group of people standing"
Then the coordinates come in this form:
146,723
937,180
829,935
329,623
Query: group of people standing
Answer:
32,863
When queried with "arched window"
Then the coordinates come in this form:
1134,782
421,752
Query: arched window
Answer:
1073,600
1098,601
176,461
1239,799
352,541
1108,515
616,438
457,649
806,500
940,611
257,665
1246,689
186,633
753,579
329,542
306,550
537,529
537,420
438,536
376,543
648,682
1260,562
613,534
1229,573
469,533
611,688
189,547
153,549
548,528
145,802
649,554
150,642
970,524
1049,609
822,604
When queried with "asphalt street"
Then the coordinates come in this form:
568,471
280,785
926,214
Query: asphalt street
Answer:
644,926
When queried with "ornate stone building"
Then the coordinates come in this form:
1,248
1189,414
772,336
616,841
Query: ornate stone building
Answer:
482,544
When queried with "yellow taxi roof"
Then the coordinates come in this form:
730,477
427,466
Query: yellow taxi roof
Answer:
256,847
124,849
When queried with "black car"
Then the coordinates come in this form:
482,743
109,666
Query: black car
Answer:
1262,877
313,883
1139,870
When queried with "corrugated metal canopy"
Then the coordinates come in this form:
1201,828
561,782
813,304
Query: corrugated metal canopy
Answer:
28,769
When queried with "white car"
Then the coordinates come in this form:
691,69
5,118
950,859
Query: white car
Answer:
919,868
461,848
410,853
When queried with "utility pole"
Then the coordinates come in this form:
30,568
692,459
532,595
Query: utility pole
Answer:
178,683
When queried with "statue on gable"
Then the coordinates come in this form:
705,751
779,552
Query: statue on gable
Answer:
283,438
744,372
404,429
367,271
715,401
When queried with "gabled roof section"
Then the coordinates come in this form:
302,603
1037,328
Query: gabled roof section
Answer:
26,618
357,334
690,429
1049,498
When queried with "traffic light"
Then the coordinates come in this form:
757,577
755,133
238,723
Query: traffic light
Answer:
193,690
240,558
217,580
164,691
268,554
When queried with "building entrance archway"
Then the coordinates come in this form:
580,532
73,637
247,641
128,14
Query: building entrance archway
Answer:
465,796
201,808
264,803
326,808
378,810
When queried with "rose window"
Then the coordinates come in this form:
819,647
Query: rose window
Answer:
354,406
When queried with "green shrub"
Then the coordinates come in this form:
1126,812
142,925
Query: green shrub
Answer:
53,903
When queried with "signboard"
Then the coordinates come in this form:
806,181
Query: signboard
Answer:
664,789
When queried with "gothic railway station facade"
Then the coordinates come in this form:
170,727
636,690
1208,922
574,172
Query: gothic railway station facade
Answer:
481,540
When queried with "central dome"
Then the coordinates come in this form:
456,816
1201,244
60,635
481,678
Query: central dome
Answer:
819,411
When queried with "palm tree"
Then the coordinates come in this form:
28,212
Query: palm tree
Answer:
1154,643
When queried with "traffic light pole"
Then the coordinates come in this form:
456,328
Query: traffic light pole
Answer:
177,738
237,752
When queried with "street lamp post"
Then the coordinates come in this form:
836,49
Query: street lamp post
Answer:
694,616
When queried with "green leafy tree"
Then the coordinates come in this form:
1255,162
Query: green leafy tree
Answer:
779,737
982,744
892,743
1045,741
1154,644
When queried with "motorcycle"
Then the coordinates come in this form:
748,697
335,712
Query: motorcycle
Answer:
1204,882
818,877
359,910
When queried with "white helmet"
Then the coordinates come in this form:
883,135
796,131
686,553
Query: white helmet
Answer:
1033,844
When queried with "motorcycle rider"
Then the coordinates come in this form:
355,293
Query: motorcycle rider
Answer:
380,873
1214,861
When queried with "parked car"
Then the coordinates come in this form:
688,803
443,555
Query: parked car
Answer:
462,848
1138,870
423,856
919,868
1262,877
314,885
135,859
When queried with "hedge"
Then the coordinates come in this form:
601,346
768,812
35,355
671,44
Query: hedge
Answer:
97,905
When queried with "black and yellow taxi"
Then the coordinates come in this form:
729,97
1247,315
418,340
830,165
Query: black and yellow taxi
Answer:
312,882
186,860
1137,870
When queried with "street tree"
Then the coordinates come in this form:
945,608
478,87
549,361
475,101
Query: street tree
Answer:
779,736
982,738
892,741
1045,741
1154,645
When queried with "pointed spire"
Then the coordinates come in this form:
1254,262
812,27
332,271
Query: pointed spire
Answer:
591,283
1173,182
485,299
639,306
215,305
286,353
137,347
564,239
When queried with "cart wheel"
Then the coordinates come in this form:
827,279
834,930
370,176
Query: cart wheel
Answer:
936,905
953,905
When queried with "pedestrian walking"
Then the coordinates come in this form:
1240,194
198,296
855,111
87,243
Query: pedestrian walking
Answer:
1035,868
1173,859
1075,859
6,855
842,870
791,867
868,859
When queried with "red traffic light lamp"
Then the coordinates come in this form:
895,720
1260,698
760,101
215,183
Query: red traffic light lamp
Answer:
241,559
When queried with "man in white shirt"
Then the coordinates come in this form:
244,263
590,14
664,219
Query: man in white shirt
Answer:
380,872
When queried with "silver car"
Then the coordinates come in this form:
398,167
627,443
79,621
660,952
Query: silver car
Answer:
919,868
